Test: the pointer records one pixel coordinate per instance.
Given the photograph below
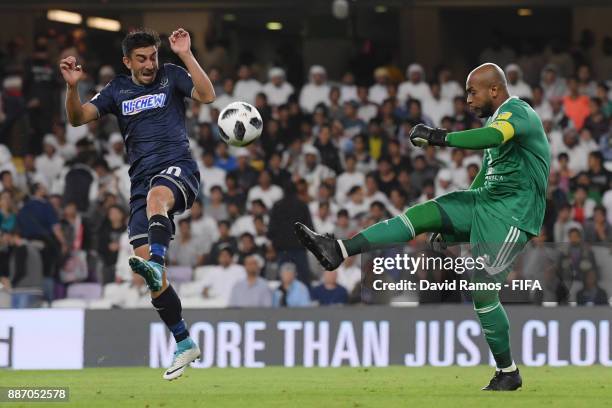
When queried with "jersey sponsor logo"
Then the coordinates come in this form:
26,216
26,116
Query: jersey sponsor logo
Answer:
504,116
143,103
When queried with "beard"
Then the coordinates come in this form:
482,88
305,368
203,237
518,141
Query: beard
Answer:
486,110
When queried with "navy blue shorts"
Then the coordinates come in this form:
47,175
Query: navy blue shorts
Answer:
183,178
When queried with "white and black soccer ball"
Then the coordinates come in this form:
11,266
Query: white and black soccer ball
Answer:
240,124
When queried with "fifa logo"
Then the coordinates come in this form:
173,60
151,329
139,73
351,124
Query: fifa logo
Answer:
6,349
142,103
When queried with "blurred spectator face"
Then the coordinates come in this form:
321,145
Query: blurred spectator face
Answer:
538,95
287,276
357,195
28,162
216,195
261,101
590,280
260,226
224,230
323,210
371,184
228,86
348,78
513,76
258,208
7,180
350,164
377,212
575,237
334,95
404,178
337,129
595,106
585,135
116,216
225,258
318,78
251,265
602,92
599,215
570,138
563,161
272,127
419,163
444,75
387,108
384,167
414,109
572,86
6,202
564,214
209,159
360,144
49,149
342,220
392,91
435,90
330,278
584,73
70,211
381,76
594,162
56,202
459,106
143,64
397,199
244,72
277,80
362,94
324,193
415,76
196,210
246,243
214,75
275,161
324,135
185,229
264,179
311,160
549,76
458,155
580,195
233,211
349,110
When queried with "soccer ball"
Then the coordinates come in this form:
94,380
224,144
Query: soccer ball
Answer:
239,124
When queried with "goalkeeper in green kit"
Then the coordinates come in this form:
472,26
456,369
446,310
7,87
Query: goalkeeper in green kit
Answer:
501,211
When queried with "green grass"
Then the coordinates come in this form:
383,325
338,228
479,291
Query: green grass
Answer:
319,387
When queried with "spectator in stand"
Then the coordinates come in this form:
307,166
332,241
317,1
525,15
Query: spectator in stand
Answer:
516,85
185,250
291,292
586,85
316,91
109,237
599,176
37,221
356,205
254,290
597,122
541,105
348,89
278,90
591,294
366,109
553,85
244,173
7,183
115,158
330,292
575,105
497,51
266,191
328,152
449,88
227,96
378,92
415,87
335,106
8,239
246,87
598,229
323,221
603,94
582,206
437,106
564,224
218,283
282,235
50,163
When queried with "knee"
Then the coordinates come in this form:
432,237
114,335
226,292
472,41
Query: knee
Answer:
158,200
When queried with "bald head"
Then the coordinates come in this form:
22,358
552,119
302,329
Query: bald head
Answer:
486,88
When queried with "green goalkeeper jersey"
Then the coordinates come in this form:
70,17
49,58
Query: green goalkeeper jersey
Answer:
517,171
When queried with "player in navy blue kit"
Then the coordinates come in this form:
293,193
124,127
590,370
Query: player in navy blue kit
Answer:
149,105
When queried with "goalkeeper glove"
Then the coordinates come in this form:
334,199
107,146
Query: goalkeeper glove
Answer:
422,136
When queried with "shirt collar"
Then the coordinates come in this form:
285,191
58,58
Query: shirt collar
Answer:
502,104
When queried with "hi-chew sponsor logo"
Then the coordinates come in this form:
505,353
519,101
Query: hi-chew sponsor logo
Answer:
143,103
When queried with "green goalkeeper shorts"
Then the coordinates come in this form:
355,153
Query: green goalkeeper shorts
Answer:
490,237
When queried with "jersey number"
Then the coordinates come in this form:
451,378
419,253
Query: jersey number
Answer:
173,171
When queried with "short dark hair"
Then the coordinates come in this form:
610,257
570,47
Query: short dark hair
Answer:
144,37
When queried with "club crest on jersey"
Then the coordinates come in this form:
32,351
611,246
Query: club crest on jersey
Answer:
143,103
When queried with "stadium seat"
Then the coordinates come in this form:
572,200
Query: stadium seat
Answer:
200,272
84,291
179,274
99,304
120,293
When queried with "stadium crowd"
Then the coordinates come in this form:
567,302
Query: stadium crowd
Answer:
334,154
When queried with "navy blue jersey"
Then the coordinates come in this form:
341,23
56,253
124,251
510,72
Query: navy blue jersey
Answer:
151,118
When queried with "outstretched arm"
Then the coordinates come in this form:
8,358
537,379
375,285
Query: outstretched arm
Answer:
497,133
78,113
181,44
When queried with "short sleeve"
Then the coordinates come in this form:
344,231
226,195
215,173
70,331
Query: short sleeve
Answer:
181,79
104,100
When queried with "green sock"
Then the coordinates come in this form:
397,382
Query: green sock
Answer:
496,328
426,217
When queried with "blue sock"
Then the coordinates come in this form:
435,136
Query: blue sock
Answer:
179,331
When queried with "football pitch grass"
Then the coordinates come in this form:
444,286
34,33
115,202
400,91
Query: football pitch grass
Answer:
318,387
